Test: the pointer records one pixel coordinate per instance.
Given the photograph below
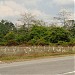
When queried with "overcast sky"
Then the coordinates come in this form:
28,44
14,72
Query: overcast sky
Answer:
11,9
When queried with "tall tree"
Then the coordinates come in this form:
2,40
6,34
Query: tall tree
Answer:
63,16
6,26
27,19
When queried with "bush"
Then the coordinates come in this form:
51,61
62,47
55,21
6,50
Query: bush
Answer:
59,34
62,43
12,43
10,36
72,42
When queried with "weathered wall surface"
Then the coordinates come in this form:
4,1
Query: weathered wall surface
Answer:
35,49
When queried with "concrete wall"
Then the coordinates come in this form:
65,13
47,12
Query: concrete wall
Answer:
35,49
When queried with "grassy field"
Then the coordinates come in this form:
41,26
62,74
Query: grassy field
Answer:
14,53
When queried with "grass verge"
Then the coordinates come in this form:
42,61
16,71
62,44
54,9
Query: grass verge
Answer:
16,58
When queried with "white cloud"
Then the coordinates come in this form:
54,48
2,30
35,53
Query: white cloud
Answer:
40,15
16,7
29,2
36,12
10,8
5,10
63,2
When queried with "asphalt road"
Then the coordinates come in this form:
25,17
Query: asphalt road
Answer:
47,66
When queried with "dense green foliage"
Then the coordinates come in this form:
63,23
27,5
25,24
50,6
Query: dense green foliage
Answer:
6,26
36,35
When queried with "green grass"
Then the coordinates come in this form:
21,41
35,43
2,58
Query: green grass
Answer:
31,56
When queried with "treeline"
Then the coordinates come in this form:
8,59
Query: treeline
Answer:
36,35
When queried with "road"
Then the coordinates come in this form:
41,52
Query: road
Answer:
46,66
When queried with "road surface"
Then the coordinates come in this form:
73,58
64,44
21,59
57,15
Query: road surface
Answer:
46,66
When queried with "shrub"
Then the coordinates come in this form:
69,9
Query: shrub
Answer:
10,36
12,43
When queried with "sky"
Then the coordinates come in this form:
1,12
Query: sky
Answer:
45,9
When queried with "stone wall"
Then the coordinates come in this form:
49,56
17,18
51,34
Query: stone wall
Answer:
35,49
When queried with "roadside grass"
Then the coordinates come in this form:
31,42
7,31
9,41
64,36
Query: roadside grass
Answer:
16,58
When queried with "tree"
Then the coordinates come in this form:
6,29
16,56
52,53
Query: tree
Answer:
39,22
27,20
63,16
37,34
6,26
10,36
72,30
10,39
37,31
57,34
